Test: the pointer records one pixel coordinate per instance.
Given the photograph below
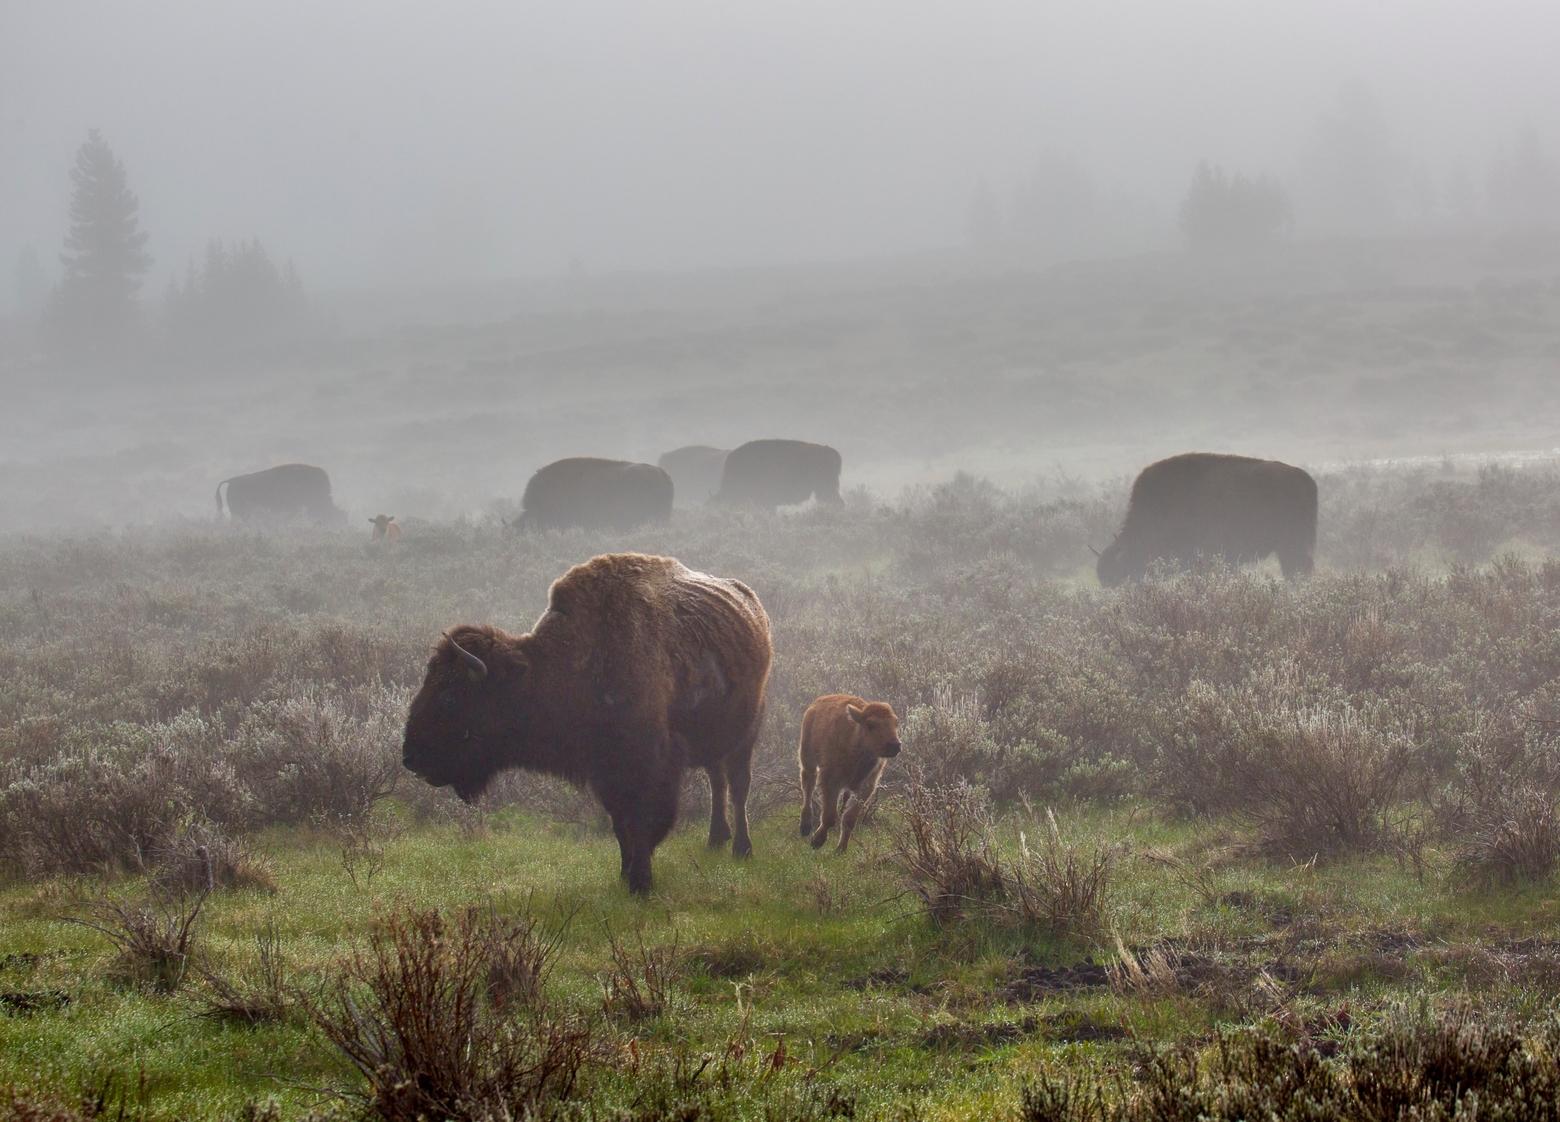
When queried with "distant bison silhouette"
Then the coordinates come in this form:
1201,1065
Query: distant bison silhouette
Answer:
771,473
386,528
595,494
1202,504
695,472
287,491
639,669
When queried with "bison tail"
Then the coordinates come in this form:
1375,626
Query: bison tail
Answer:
221,485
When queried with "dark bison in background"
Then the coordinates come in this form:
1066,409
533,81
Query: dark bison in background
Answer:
695,471
595,494
288,491
638,669
1202,504
771,473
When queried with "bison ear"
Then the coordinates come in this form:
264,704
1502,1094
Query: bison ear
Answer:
854,713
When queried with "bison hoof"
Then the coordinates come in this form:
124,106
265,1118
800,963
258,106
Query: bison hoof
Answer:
819,838
807,827
718,840
742,847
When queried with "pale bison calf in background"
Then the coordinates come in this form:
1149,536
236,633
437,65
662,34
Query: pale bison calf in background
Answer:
845,744
386,528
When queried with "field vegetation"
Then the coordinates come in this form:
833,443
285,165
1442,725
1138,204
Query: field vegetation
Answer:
1205,846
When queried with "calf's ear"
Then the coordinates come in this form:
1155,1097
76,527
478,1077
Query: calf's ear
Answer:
854,713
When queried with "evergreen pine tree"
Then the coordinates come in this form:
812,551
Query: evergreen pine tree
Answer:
105,255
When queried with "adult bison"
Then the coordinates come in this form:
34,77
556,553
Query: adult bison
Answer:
771,473
1203,504
287,491
595,494
695,471
638,669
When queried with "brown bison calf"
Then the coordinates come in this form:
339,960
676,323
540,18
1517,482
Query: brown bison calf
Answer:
845,744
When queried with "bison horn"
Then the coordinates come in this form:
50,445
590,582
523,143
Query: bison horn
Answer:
467,657
1094,551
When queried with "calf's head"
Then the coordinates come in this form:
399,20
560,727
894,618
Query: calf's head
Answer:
876,727
464,724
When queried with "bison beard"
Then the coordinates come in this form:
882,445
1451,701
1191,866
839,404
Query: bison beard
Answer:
639,669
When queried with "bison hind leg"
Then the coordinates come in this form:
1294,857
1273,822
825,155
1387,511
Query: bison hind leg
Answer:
720,828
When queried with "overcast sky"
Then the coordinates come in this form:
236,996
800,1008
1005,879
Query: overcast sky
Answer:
400,140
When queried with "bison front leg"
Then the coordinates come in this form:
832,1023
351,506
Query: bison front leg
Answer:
1296,562
642,802
643,828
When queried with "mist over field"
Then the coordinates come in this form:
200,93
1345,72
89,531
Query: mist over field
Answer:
1114,452
938,240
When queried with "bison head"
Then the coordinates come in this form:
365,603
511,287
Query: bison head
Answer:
1113,567
460,730
876,727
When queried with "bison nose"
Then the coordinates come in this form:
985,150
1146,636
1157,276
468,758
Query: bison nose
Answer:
891,748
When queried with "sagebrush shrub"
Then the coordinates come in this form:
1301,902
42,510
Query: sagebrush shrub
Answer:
414,1015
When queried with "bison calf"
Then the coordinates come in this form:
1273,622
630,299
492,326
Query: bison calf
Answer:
845,744
386,528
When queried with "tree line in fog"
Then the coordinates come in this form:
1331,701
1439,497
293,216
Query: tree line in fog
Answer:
1352,177
235,296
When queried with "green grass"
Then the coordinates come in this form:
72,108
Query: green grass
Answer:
823,952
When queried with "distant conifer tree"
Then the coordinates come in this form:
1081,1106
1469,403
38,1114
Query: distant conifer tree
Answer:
94,307
235,299
1222,211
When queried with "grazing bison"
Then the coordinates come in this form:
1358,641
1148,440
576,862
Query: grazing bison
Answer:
595,494
1201,504
771,473
846,742
386,528
695,472
288,491
638,669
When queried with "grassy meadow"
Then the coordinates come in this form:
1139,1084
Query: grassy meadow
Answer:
1191,847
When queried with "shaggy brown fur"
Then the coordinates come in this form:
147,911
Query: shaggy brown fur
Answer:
638,669
846,742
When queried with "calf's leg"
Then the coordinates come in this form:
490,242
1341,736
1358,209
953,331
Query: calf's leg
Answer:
829,804
860,795
809,781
